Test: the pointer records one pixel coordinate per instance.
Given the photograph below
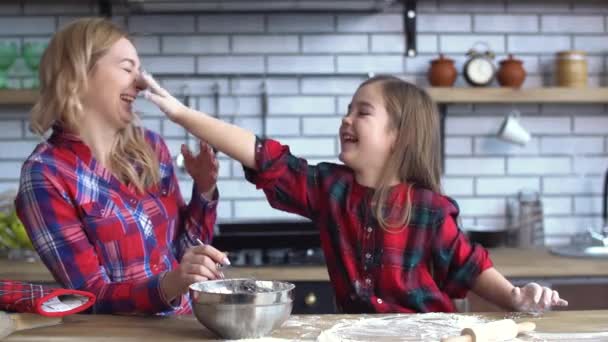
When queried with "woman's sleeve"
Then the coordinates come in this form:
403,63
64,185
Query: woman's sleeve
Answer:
57,233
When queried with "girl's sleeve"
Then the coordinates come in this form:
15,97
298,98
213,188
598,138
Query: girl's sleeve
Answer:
54,226
456,262
290,184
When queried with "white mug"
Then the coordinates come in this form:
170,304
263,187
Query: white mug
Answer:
512,131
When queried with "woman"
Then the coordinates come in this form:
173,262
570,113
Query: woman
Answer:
99,198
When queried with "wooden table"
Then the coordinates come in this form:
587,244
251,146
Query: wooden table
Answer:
303,328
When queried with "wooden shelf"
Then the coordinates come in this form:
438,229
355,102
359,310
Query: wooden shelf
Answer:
18,96
524,95
441,95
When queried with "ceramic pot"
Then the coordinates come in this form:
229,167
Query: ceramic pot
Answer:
442,72
511,72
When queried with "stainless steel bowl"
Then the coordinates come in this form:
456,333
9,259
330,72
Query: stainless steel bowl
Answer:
242,308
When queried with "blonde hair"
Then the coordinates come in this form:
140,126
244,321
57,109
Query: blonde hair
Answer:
416,154
64,69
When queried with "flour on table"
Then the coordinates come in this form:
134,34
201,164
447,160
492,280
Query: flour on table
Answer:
424,327
262,339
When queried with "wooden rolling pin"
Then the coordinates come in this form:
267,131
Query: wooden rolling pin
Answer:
502,330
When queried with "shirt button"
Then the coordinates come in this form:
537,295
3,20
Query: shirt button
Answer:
133,201
379,301
164,193
369,229
367,255
368,281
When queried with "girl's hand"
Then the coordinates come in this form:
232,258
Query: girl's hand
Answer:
199,263
203,168
161,97
535,298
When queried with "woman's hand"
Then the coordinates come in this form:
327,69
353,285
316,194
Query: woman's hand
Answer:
203,168
535,298
161,97
199,263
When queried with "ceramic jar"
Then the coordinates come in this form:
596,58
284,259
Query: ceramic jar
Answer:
511,72
442,72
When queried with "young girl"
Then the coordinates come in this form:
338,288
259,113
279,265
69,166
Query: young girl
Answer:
389,236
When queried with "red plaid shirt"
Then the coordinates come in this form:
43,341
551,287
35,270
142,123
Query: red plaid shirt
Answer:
417,269
96,234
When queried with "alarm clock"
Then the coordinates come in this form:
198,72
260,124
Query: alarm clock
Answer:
479,69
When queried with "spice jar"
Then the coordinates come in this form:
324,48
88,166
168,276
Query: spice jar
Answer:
571,68
511,72
442,72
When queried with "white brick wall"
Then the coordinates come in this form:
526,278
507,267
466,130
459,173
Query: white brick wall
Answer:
312,63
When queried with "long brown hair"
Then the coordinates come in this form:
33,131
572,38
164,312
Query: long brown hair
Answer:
416,155
64,70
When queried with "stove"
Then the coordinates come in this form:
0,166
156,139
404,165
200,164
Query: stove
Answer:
276,256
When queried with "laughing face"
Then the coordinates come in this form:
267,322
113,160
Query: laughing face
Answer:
365,136
114,83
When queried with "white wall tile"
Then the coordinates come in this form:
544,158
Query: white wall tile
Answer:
11,129
538,166
371,23
382,43
461,146
10,170
572,145
335,43
505,185
231,64
301,105
457,186
173,130
274,86
572,185
16,149
365,64
10,9
248,210
33,25
495,146
265,44
180,45
83,8
220,23
537,44
160,65
557,205
474,166
590,124
238,189
443,23
332,85
318,147
538,6
277,127
146,44
570,224
482,206
588,205
195,86
301,64
546,125
472,125
572,24
586,165
471,6
321,126
161,24
505,23
240,105
591,44
300,23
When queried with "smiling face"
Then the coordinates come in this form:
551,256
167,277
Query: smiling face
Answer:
113,84
366,136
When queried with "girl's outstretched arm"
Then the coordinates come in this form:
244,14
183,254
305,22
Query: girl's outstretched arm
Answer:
492,286
236,142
